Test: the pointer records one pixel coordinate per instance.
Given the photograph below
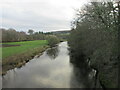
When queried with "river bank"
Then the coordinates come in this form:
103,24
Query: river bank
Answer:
16,54
13,48
21,59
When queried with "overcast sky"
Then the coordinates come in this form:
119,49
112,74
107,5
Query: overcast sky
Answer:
39,15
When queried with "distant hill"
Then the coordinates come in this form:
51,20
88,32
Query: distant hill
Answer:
61,32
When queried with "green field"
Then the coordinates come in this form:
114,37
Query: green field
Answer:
24,46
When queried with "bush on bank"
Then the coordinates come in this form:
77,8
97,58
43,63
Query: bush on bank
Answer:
52,40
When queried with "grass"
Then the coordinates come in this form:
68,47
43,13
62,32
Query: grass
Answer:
15,57
24,46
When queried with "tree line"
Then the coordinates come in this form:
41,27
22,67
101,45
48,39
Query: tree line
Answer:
11,35
95,38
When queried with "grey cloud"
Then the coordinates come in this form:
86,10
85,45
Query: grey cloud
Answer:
44,15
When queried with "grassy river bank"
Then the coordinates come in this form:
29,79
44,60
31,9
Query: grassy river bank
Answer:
16,54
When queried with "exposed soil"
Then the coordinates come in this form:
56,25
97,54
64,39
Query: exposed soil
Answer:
8,45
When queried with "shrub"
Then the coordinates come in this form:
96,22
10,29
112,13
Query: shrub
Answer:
52,40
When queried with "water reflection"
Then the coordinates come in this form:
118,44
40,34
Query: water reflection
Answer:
53,52
82,76
42,72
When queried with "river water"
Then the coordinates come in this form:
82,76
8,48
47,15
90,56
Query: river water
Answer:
50,70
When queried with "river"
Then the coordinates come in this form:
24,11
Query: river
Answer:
50,70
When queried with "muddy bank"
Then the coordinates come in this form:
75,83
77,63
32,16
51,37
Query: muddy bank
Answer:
17,61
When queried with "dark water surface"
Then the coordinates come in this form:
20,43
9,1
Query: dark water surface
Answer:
50,70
